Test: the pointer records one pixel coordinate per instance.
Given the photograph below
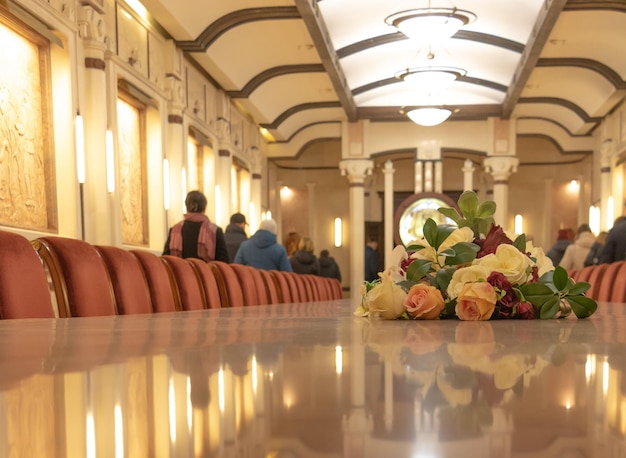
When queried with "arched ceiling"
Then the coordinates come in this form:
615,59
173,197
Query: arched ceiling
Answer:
300,67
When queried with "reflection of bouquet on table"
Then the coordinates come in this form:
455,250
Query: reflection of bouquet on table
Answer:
473,270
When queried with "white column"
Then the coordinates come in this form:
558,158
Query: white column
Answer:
223,165
501,168
428,176
438,177
548,236
388,171
468,175
419,177
605,184
356,170
277,212
311,206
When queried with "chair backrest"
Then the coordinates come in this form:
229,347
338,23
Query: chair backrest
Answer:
163,296
336,288
80,277
322,288
228,283
270,286
583,274
187,283
282,286
619,286
207,279
129,282
595,278
313,288
605,289
296,288
252,284
24,291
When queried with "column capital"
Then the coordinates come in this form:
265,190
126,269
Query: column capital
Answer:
468,166
356,169
501,167
388,168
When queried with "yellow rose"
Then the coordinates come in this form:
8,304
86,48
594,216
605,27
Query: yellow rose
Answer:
424,302
509,261
386,299
476,301
463,275
544,263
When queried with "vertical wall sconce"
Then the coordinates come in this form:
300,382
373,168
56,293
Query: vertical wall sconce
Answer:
110,162
80,148
519,223
594,219
338,232
166,184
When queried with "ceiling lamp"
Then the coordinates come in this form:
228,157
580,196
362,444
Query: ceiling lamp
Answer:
431,78
430,24
428,116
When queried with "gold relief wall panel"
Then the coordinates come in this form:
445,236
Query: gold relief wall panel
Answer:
132,169
27,189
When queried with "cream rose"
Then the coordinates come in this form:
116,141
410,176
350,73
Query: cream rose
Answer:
509,261
544,263
386,299
463,275
476,302
424,302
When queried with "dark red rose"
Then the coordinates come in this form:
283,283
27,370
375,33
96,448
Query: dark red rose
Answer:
495,237
525,311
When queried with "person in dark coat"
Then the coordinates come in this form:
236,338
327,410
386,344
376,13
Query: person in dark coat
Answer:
328,266
262,251
563,240
303,261
371,259
196,236
615,246
235,234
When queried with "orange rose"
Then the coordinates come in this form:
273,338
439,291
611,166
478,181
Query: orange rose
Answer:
424,302
476,301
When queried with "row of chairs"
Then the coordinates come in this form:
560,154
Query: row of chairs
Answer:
608,281
63,277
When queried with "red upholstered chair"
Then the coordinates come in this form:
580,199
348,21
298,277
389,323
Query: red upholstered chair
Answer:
252,284
301,291
24,289
336,287
294,289
314,290
322,287
282,286
207,279
605,289
129,283
619,286
186,281
270,287
228,283
595,278
583,274
80,278
163,297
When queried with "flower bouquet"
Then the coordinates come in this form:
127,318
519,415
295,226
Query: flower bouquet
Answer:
473,270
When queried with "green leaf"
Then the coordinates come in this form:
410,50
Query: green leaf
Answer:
418,269
486,209
537,293
582,306
443,277
415,247
450,213
464,252
484,225
430,232
578,288
520,243
443,232
560,278
468,203
448,309
549,308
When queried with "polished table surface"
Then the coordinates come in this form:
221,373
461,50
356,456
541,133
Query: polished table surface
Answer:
312,380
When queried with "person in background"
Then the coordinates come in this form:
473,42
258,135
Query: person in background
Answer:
563,239
304,261
371,259
593,257
235,234
328,266
615,246
576,252
196,236
262,251
291,242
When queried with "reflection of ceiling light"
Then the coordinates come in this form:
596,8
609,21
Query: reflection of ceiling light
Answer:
431,77
430,24
429,116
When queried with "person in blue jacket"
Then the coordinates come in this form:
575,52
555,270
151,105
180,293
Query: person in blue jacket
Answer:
263,251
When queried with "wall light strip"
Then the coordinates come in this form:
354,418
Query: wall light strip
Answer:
338,232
